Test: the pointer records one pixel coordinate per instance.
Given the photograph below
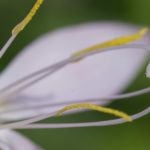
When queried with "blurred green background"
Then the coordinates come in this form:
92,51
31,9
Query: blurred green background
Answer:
57,13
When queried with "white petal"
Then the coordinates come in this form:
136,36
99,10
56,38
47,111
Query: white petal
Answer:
148,71
10,140
96,76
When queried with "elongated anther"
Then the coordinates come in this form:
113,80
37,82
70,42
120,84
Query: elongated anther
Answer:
98,108
19,27
114,42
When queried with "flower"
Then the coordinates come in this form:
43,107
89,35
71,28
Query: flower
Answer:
77,84
73,82
32,103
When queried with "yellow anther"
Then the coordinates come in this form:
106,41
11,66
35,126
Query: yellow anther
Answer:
98,108
19,27
114,42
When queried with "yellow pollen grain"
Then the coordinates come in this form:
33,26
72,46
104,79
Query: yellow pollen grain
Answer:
114,42
19,27
98,108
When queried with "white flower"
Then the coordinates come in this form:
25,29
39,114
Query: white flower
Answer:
25,98
94,77
98,76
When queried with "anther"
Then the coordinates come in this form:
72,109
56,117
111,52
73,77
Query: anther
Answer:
114,42
19,27
98,108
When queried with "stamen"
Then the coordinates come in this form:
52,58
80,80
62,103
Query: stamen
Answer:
41,117
25,124
19,27
85,124
114,42
98,108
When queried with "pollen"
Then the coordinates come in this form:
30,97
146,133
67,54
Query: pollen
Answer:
98,108
19,27
114,42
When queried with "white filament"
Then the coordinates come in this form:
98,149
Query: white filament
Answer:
6,46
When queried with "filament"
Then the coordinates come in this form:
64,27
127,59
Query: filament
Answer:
85,124
6,46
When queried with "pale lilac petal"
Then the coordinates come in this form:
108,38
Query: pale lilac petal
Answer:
96,76
11,140
148,71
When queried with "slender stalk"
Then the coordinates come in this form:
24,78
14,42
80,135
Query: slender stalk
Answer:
87,124
27,124
6,46
27,121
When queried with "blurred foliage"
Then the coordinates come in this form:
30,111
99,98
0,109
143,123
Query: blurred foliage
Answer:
57,13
